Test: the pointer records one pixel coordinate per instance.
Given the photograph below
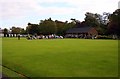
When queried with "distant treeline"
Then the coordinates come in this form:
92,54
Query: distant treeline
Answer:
105,24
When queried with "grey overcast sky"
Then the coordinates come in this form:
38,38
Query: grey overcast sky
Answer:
19,12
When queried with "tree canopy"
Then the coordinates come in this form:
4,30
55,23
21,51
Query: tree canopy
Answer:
114,24
105,24
48,26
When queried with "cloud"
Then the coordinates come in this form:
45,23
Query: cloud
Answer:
21,8
15,8
11,10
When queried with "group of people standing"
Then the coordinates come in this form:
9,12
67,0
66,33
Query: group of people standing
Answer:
52,36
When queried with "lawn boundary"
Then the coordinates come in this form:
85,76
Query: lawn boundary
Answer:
20,74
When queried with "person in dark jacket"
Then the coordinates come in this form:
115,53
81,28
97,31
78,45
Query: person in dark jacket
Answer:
18,36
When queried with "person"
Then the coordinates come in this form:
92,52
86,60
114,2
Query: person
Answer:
18,36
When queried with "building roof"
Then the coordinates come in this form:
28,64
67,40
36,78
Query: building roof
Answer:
79,30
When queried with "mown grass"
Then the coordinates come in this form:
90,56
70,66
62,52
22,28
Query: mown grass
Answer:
0,55
61,57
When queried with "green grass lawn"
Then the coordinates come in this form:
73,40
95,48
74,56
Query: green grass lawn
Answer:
0,55
61,57
11,74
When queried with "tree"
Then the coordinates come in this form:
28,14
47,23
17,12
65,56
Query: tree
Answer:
114,24
77,22
67,26
105,18
16,30
5,31
23,31
91,19
61,27
33,29
48,27
97,21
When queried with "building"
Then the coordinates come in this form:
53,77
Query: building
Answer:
81,32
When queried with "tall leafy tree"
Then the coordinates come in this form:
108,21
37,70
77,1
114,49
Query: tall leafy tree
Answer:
60,26
105,18
23,31
91,20
103,21
76,22
16,30
114,24
48,26
33,29
5,31
98,21
68,26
